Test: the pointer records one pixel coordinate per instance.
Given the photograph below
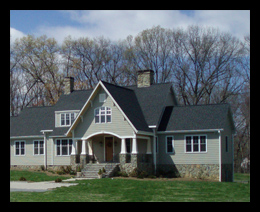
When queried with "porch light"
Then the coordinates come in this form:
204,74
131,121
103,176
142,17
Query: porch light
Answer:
100,143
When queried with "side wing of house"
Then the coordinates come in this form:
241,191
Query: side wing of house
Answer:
196,141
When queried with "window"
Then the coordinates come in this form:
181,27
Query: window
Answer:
196,143
38,147
19,148
103,115
226,143
102,97
63,147
169,144
66,119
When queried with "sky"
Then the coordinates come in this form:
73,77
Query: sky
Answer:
118,24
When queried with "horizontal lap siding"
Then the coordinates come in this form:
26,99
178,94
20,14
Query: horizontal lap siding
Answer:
180,157
28,158
118,125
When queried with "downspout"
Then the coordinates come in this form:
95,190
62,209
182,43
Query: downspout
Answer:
154,128
45,146
219,139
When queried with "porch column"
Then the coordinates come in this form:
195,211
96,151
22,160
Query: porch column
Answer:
123,146
73,149
83,149
148,150
90,150
134,147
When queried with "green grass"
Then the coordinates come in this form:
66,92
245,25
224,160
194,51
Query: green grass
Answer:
130,190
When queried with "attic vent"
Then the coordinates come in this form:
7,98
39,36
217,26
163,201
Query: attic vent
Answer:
145,78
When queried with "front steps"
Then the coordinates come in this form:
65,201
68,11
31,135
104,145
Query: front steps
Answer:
91,170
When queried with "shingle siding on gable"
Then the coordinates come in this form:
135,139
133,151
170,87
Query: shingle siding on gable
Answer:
88,126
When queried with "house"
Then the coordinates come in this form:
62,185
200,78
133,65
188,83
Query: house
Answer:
140,126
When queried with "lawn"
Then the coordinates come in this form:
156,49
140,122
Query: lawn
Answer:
140,190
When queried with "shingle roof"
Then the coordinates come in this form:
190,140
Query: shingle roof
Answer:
128,102
152,100
194,117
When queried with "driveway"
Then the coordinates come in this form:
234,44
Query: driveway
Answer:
36,186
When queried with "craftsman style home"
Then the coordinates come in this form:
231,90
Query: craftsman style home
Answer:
135,127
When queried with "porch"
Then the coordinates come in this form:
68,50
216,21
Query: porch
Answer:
108,148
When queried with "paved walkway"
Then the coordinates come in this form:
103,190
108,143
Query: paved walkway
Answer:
36,186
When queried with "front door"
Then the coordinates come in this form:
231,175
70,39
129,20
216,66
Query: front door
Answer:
109,148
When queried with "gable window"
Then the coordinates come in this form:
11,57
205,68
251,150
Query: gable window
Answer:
66,119
38,147
63,147
19,148
169,144
103,115
196,143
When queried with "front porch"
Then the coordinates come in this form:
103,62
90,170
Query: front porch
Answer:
131,153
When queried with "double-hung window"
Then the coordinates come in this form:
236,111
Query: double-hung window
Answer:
169,144
19,148
38,147
103,115
195,143
66,119
63,147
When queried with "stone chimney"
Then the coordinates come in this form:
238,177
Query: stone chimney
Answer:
68,85
145,78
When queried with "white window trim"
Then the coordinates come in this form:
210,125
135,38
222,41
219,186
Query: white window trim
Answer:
99,115
19,148
166,144
60,139
70,122
38,148
192,152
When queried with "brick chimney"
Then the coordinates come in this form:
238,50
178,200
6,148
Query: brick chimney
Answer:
145,78
68,85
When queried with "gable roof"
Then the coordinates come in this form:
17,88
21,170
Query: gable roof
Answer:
128,102
152,100
195,117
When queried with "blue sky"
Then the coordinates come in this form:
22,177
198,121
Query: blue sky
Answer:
118,24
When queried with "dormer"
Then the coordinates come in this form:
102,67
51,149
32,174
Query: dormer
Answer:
65,118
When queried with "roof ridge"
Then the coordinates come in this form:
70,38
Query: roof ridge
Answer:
123,87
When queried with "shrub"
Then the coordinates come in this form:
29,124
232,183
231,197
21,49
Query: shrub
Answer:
22,179
103,170
134,173
58,180
99,172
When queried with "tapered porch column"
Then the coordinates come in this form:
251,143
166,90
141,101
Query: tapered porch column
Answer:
83,149
73,149
134,146
123,146
148,150
90,150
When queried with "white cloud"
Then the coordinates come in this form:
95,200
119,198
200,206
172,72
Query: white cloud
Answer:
14,34
119,24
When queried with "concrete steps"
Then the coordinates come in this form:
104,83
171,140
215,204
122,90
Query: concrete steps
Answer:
91,170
